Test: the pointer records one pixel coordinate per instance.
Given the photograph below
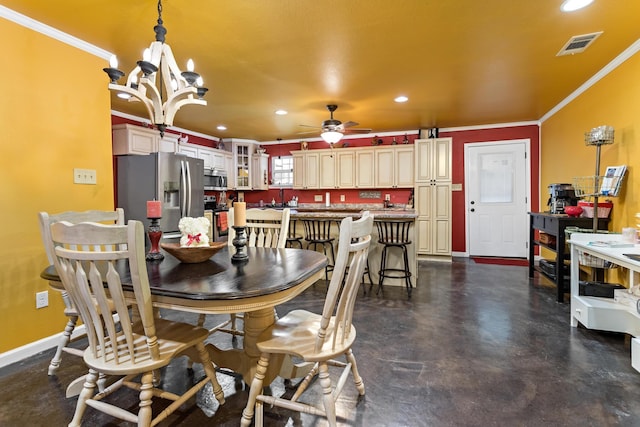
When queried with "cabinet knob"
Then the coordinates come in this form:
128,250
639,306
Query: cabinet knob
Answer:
473,210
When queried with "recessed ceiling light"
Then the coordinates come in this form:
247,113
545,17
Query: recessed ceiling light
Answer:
282,112
221,127
571,5
401,98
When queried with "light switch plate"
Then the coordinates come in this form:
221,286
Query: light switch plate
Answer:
456,187
84,176
317,198
342,199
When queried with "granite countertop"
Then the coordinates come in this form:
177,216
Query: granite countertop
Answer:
340,211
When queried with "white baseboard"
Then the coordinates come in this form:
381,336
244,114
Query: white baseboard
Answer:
17,354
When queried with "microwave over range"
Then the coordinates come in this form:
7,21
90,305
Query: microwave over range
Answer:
215,179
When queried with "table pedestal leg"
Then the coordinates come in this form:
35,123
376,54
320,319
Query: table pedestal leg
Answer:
244,361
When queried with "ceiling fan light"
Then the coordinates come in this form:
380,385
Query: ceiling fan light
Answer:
331,136
572,5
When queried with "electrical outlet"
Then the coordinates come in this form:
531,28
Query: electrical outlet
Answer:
342,199
84,176
42,299
317,198
387,197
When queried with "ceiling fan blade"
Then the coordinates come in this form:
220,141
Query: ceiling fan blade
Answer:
350,124
359,130
309,126
306,132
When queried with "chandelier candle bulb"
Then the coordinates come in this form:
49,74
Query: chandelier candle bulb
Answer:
154,209
240,214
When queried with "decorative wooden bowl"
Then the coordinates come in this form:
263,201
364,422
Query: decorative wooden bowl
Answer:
195,254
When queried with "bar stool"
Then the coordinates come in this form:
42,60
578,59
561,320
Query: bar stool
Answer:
394,234
318,233
292,237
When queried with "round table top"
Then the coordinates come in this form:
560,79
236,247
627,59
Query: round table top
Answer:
267,271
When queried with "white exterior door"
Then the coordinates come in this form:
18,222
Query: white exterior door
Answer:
497,198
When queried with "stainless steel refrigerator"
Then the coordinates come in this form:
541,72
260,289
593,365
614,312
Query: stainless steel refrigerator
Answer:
175,179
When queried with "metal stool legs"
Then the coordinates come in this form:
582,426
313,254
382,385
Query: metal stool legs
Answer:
394,234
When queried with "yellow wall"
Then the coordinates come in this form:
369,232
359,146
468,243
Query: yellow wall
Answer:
54,116
614,101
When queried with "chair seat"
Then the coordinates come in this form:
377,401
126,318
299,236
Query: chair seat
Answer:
297,333
173,338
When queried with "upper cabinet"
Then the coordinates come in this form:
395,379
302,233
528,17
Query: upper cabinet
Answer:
248,173
433,159
327,175
260,172
346,169
368,167
131,139
394,167
306,169
365,167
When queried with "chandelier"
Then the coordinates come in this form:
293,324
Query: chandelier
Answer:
157,81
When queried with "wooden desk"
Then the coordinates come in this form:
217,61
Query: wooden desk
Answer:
555,225
270,277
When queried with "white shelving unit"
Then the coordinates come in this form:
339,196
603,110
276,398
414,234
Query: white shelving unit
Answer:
619,314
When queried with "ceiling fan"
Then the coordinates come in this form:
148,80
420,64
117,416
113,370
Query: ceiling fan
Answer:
332,130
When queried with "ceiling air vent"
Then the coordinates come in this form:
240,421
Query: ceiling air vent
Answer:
577,44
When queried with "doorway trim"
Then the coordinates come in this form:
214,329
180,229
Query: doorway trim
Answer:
467,178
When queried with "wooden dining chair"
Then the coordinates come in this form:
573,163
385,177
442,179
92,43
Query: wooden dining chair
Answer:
318,338
45,219
266,228
91,259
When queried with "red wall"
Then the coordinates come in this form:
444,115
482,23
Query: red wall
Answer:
400,196
460,138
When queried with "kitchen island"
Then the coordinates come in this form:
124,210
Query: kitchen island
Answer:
338,212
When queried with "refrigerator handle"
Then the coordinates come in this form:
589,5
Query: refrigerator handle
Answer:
188,204
184,189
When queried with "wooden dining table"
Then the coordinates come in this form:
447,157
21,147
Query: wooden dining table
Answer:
219,285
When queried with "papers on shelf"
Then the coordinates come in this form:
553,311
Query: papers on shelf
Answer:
612,180
610,244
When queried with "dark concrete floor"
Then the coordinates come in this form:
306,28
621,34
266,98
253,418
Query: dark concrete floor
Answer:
477,345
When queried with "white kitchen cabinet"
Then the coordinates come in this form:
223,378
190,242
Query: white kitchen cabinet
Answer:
168,143
131,139
394,167
432,195
188,150
346,169
242,162
433,205
433,159
306,172
327,169
228,167
260,171
365,167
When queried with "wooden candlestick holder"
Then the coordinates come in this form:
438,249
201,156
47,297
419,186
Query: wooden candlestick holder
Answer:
240,242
